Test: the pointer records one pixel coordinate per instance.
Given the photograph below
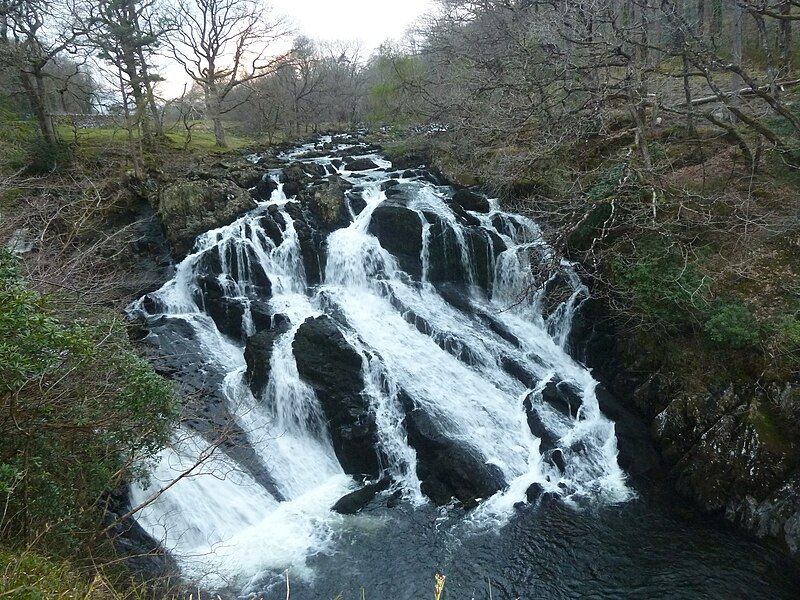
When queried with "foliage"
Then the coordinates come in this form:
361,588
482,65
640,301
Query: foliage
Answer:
608,182
15,131
662,288
78,408
389,101
44,157
731,324
788,332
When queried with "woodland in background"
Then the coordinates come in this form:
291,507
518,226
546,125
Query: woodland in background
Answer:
656,142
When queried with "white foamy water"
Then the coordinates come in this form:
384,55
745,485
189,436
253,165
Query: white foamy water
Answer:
223,526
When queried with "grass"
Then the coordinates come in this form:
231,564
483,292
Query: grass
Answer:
88,139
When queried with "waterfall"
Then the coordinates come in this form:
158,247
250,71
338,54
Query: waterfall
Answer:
479,363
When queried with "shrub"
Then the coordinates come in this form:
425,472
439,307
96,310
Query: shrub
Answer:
731,324
44,157
788,332
78,408
661,289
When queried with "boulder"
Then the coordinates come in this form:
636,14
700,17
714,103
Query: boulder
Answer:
188,208
563,397
310,242
327,362
227,313
353,502
258,354
360,164
446,467
399,231
410,160
246,176
470,200
327,204
548,439
265,187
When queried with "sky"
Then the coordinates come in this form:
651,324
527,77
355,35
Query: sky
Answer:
369,21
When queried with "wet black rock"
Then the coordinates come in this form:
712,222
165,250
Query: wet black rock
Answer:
470,200
258,353
556,457
549,440
265,186
227,313
399,231
359,164
534,492
330,365
357,202
637,451
563,397
271,227
310,239
446,467
353,502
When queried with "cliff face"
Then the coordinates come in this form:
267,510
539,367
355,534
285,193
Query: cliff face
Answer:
729,442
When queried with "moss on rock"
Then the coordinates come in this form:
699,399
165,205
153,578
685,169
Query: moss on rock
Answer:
189,208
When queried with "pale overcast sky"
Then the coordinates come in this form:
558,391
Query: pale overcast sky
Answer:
370,21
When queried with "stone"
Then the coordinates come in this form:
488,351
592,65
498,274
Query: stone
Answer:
330,365
188,208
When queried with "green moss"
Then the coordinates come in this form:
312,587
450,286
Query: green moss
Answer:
768,426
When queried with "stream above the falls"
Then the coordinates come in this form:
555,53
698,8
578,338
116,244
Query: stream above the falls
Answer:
372,338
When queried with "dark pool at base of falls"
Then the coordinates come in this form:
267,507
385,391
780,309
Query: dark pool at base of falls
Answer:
656,546
367,319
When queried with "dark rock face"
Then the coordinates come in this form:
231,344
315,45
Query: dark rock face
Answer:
258,353
353,502
310,242
470,200
637,452
399,231
727,447
538,428
359,164
327,204
446,254
333,368
446,468
189,208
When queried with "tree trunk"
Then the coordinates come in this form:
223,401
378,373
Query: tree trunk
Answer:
701,19
785,41
737,83
35,89
214,113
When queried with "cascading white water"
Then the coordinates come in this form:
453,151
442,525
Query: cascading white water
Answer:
224,527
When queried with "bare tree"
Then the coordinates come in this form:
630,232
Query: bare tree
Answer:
223,44
39,32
